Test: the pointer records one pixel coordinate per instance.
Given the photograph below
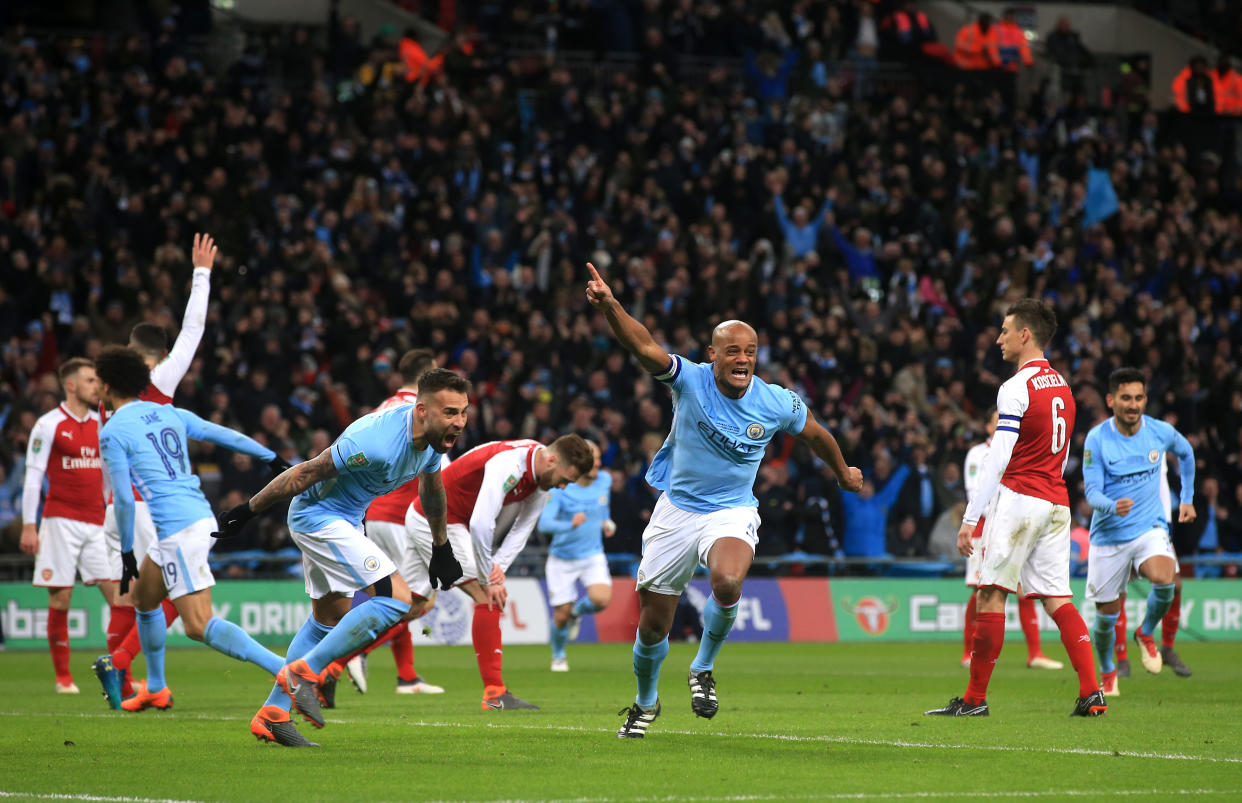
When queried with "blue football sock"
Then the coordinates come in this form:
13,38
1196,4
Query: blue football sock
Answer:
559,637
224,636
1158,601
717,622
358,628
647,660
1105,638
153,633
584,606
310,634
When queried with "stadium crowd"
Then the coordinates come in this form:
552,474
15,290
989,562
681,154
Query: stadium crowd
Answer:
872,233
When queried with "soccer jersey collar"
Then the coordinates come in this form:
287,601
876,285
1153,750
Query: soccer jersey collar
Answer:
1112,422
1043,360
70,414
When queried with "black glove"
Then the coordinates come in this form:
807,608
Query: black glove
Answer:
444,567
233,520
279,465
129,570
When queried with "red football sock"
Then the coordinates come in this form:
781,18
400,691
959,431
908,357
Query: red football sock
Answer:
1171,621
403,654
170,611
1028,616
1120,641
58,642
487,649
120,620
968,632
989,638
1078,644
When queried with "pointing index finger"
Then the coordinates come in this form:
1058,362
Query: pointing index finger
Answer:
594,273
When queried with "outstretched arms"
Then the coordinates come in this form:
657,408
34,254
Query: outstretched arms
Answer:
292,482
631,334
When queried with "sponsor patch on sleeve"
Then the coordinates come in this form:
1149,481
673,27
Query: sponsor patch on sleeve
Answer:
511,482
1086,457
37,445
357,460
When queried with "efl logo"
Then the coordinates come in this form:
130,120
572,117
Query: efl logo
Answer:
872,614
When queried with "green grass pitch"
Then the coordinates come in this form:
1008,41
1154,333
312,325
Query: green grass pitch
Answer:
796,722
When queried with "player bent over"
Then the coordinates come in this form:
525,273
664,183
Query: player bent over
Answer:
578,519
375,455
64,447
1122,462
1027,530
724,417
146,442
488,486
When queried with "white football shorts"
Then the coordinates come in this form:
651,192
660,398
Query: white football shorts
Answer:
1026,540
677,541
561,575
182,558
340,559
144,535
1108,565
68,547
419,530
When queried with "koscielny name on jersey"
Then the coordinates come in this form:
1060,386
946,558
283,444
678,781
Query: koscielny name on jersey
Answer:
1046,381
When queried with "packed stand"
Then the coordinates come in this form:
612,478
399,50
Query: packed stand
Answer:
368,203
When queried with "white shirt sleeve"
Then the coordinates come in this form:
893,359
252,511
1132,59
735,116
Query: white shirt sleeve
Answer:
37,452
974,463
1011,404
172,369
491,498
519,533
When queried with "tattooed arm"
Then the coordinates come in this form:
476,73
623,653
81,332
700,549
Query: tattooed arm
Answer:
295,480
435,505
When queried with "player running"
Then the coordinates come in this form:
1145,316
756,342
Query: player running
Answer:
167,370
1026,536
375,455
577,517
64,449
384,524
723,418
145,443
487,488
1028,617
1122,476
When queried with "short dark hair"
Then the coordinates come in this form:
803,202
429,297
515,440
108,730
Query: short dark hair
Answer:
414,363
573,449
438,379
1124,376
124,370
71,366
1033,314
149,339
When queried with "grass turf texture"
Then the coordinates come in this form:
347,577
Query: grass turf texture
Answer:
796,721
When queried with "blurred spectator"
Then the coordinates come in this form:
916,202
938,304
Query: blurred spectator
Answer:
866,512
1065,48
1193,89
977,44
1227,88
1011,43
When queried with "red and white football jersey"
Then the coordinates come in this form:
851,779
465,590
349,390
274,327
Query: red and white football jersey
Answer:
66,449
1029,451
483,482
391,507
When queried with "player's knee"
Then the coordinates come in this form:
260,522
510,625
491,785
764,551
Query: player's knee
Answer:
727,587
600,599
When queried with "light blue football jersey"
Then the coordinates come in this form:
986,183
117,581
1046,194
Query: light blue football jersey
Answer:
587,539
1115,466
710,458
145,443
374,455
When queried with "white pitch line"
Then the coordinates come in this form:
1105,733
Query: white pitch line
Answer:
955,795
783,737
107,798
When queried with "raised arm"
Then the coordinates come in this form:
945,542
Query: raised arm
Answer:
169,372
201,430
629,332
826,448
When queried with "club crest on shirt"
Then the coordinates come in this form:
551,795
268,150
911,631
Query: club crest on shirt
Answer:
755,431
357,460
1153,456
511,482
37,445
47,575
370,564
603,499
